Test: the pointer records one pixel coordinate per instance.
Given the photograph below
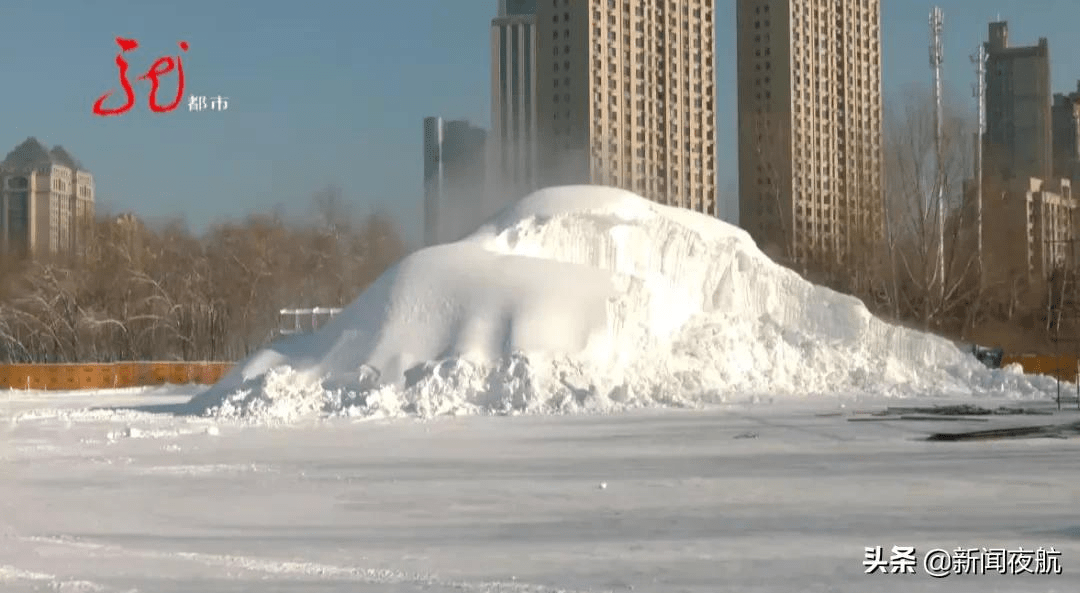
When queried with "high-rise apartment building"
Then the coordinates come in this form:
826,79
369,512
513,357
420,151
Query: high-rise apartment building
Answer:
1017,142
515,154
810,127
46,201
1066,116
626,97
454,178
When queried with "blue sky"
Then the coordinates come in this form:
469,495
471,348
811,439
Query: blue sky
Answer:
329,92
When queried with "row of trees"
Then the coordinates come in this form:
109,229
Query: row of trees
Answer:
982,295
138,292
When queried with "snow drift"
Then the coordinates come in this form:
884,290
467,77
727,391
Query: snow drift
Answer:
592,298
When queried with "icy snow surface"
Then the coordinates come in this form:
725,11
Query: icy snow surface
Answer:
479,504
588,298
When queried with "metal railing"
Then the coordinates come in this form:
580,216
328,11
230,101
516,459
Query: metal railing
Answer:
317,315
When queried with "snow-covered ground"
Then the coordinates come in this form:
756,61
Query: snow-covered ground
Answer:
754,498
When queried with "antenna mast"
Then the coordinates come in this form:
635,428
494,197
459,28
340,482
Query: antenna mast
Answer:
937,56
979,59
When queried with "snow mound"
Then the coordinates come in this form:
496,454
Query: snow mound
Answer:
588,298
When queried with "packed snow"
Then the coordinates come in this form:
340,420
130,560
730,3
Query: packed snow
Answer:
588,298
647,501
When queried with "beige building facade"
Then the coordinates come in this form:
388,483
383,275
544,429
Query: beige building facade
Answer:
1030,226
626,97
810,127
46,201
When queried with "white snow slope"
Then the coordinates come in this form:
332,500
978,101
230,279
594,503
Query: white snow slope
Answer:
588,298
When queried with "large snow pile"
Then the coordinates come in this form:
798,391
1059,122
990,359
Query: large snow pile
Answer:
593,298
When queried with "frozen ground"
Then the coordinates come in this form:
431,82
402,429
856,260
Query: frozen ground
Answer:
133,501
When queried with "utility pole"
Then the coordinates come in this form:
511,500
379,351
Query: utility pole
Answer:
937,56
979,59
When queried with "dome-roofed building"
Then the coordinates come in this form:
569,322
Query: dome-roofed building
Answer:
46,196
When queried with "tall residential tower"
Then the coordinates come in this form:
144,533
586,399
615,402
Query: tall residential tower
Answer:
454,179
515,157
810,127
626,97
1018,142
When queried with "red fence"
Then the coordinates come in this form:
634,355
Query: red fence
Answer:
110,375
138,374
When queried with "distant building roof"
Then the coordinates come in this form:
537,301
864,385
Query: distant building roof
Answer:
516,7
65,157
32,153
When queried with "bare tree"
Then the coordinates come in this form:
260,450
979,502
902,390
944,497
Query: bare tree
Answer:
136,292
913,182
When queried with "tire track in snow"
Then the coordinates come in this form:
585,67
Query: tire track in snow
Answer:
294,568
9,574
813,430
